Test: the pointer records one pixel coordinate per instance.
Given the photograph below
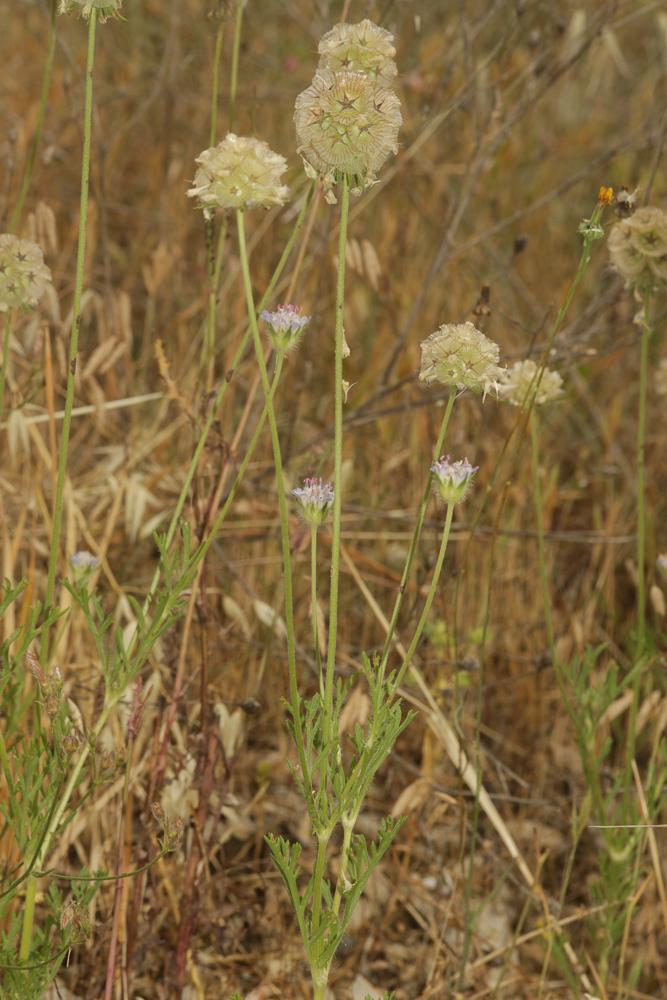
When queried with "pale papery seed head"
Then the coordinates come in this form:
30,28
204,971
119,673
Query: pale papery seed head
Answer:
461,356
519,384
359,48
239,173
105,8
638,248
23,273
346,125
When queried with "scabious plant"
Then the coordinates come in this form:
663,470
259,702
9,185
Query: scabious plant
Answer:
460,355
239,173
525,382
346,126
361,48
285,327
23,274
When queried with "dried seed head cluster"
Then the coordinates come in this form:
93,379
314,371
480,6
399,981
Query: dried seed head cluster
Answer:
285,327
23,273
519,384
346,125
359,48
239,173
105,8
316,498
459,355
638,248
452,479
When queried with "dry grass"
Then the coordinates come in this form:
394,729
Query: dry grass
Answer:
514,113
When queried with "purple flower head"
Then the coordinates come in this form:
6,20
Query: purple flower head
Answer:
452,479
316,498
83,561
285,326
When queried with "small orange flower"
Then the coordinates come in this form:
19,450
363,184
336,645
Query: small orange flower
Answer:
605,195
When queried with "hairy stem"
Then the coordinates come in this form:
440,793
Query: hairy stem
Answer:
539,519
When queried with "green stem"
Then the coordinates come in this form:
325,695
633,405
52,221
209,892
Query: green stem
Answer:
318,875
233,82
215,88
5,361
348,827
416,534
39,125
217,402
74,335
338,463
641,541
429,599
539,519
313,604
641,480
295,700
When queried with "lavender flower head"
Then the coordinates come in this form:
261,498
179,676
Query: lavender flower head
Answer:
452,479
285,327
316,498
83,561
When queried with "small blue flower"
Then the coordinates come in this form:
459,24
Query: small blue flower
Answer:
84,560
452,479
285,326
316,498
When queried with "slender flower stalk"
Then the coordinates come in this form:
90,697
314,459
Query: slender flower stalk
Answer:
295,698
76,319
416,534
5,361
539,519
338,462
414,642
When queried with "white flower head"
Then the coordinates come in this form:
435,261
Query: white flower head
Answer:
522,383
239,173
459,355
